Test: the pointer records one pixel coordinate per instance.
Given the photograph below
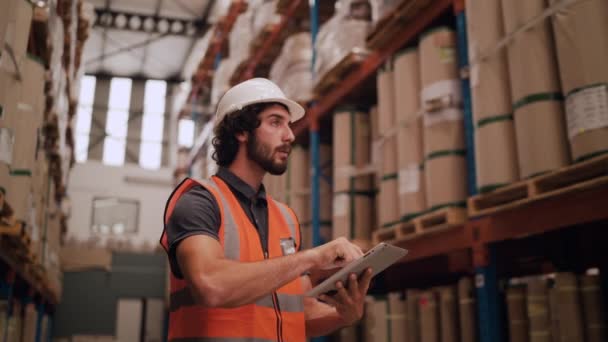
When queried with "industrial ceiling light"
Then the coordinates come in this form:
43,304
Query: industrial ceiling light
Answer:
106,19
135,23
149,24
120,21
177,27
162,26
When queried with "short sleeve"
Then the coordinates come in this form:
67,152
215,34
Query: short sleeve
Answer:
196,212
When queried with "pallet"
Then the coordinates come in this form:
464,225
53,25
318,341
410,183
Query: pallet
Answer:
334,76
393,23
431,223
582,176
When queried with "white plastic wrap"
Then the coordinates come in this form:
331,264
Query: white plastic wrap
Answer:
291,70
339,36
241,36
265,14
381,8
221,79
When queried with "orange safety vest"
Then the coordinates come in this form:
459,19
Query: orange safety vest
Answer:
279,316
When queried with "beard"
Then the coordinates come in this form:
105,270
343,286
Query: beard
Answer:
263,155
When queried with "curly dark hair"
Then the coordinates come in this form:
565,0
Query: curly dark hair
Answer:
225,143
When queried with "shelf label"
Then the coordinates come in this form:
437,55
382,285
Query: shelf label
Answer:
587,110
7,140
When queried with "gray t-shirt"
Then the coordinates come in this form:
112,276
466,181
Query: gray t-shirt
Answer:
197,212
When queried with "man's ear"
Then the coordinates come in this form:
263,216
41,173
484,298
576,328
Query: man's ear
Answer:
242,137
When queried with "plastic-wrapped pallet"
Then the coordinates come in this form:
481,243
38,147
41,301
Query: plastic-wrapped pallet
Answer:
410,152
291,71
353,196
495,148
339,36
221,79
241,36
540,126
582,55
382,8
444,144
265,14
593,308
388,204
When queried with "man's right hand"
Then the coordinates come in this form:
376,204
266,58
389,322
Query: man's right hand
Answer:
336,254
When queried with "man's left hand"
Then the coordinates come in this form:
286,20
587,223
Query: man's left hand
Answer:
350,303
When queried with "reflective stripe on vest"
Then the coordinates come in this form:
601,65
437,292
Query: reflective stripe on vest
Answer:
288,219
232,248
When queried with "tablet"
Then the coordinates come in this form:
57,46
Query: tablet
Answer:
378,258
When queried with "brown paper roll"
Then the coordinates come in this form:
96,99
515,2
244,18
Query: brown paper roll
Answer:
375,320
593,307
352,216
389,155
581,50
407,84
538,310
413,315
541,138
429,317
298,172
351,148
438,56
517,314
449,314
569,307
411,175
533,70
467,311
388,207
495,154
445,180
397,309
532,59
386,99
445,135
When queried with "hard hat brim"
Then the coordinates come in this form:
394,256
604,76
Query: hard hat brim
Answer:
295,110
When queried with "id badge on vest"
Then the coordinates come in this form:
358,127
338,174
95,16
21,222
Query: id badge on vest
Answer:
288,246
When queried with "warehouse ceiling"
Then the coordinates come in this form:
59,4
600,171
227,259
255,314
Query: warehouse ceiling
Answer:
150,39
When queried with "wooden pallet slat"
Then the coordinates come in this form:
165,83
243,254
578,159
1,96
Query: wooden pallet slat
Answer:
589,174
430,223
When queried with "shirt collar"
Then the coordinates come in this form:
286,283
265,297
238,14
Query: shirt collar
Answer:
240,186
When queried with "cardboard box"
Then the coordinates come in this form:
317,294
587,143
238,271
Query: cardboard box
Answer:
438,58
467,310
353,216
386,100
537,297
375,322
570,311
429,317
450,331
77,258
397,309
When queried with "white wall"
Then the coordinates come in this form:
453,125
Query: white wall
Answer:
93,179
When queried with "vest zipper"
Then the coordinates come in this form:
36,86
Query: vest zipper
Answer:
277,310
275,298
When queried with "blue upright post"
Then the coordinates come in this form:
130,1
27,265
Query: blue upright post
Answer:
40,310
469,128
488,300
315,145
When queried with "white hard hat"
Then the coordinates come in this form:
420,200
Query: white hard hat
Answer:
255,90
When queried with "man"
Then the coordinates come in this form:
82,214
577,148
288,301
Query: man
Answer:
238,273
